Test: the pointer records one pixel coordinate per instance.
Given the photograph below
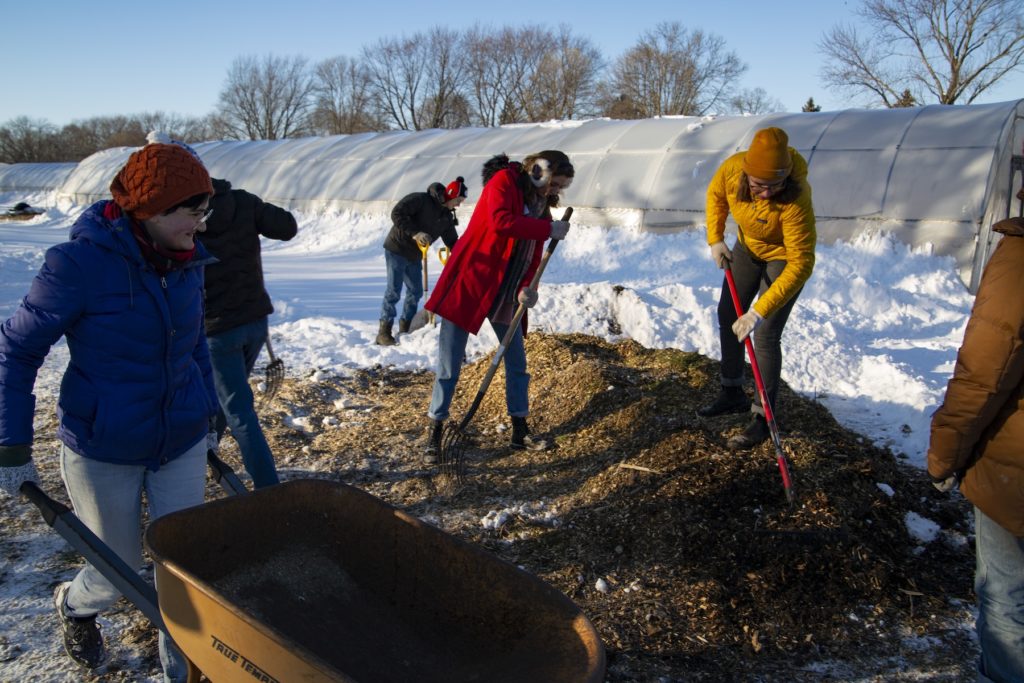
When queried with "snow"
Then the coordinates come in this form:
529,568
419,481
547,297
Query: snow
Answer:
873,337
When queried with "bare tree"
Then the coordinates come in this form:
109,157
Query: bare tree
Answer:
674,71
265,99
564,82
524,59
25,140
417,81
754,101
488,71
949,51
343,101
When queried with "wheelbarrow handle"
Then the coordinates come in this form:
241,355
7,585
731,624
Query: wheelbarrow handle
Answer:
97,553
224,475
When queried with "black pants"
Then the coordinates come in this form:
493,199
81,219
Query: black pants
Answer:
753,276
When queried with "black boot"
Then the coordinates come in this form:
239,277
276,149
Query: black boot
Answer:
82,639
384,337
521,438
754,433
403,326
729,400
434,432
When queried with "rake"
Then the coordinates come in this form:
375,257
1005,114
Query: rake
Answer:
769,416
452,458
275,375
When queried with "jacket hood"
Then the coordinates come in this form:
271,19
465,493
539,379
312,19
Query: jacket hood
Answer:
220,186
436,190
1012,227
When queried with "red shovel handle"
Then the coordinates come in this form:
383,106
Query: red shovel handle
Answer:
769,416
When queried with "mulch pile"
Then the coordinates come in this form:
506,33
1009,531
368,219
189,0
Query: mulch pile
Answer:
684,555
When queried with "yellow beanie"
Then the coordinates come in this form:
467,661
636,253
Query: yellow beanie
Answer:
768,157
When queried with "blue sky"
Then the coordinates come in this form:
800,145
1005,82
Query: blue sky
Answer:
72,60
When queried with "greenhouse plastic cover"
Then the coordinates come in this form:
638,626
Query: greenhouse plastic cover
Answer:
938,174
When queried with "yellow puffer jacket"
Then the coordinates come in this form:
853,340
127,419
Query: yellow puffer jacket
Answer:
771,230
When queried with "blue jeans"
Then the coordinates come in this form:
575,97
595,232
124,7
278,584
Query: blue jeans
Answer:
107,497
451,349
752,276
999,585
233,355
400,270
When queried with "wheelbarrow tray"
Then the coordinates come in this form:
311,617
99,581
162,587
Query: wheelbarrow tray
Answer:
319,581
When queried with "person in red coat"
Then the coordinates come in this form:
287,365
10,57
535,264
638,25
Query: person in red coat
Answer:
488,275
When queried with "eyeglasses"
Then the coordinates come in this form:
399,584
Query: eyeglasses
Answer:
206,215
766,187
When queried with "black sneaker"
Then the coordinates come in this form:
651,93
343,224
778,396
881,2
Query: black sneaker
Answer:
82,639
729,400
434,432
754,433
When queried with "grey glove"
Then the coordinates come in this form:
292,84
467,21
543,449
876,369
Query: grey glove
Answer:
559,229
528,297
721,254
16,467
423,239
946,485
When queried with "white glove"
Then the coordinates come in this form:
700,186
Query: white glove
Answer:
213,442
720,254
559,229
12,476
422,239
746,324
945,485
528,297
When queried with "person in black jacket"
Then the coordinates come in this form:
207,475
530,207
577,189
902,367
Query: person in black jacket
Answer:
237,306
417,220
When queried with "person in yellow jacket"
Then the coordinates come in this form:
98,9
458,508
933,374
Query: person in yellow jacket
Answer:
765,189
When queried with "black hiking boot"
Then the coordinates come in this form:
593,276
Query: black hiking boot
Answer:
434,432
521,438
729,400
82,639
384,337
754,433
403,326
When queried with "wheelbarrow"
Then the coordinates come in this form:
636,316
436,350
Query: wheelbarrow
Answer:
316,581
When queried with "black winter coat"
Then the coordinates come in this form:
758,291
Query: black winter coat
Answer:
235,294
420,212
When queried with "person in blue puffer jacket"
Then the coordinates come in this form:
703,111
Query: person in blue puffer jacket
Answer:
137,396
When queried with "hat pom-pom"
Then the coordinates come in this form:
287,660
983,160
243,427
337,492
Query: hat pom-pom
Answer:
158,137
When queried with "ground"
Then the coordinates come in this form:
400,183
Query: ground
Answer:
685,556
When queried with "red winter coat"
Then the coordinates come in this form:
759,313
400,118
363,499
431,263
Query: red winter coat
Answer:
470,280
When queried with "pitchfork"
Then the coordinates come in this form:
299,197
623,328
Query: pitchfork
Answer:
769,416
452,459
275,375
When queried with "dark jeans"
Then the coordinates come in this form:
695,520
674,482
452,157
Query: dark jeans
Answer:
401,271
753,277
233,354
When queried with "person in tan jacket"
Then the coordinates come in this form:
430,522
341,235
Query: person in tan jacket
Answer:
765,189
977,440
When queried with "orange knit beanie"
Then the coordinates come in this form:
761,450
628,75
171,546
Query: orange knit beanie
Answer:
158,177
768,157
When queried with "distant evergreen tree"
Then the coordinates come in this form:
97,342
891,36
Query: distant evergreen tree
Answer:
809,105
905,100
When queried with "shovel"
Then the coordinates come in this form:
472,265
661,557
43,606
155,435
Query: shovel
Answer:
275,375
451,461
423,316
769,416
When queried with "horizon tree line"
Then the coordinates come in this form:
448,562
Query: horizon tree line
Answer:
918,52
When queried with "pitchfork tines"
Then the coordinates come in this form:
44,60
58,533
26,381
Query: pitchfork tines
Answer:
274,377
451,466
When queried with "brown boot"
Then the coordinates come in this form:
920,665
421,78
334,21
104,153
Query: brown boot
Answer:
384,337
434,433
403,326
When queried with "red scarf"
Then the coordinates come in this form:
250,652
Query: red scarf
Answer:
163,260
